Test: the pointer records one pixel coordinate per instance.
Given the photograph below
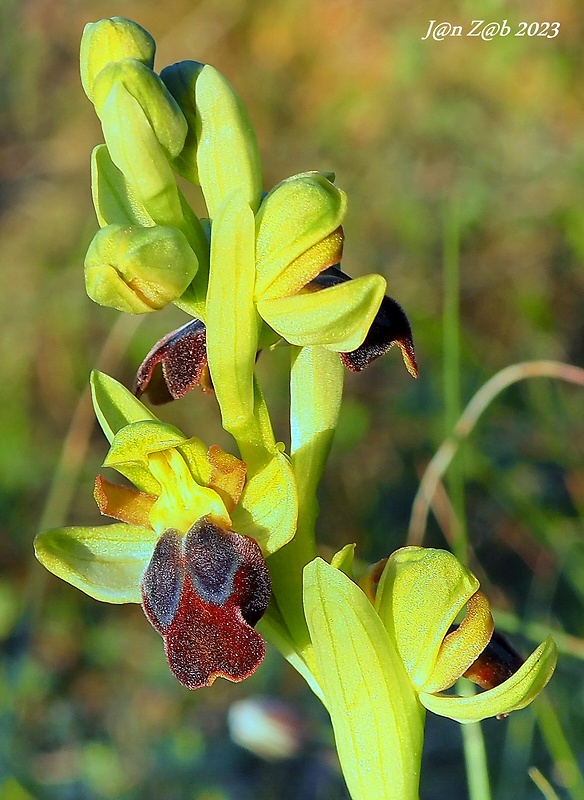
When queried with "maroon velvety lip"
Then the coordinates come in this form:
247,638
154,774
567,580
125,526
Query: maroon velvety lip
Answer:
203,593
175,365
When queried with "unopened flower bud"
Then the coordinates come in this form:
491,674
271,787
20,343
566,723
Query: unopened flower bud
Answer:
227,151
112,40
138,269
296,215
143,129
134,79
180,79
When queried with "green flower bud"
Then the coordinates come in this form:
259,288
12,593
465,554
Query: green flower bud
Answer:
296,214
147,89
143,129
227,152
112,40
180,80
138,269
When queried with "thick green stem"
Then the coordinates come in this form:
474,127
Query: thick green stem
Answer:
316,386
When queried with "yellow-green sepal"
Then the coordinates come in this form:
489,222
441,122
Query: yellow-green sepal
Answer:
104,561
227,151
377,720
268,507
134,443
138,270
294,216
338,317
232,320
114,405
513,694
420,594
112,40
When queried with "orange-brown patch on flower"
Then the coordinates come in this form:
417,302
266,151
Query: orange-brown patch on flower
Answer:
307,266
227,476
123,502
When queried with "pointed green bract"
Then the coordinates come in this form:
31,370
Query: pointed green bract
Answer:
338,317
138,270
137,152
515,693
112,40
343,560
104,561
420,593
377,720
110,193
114,408
227,150
268,507
232,321
294,216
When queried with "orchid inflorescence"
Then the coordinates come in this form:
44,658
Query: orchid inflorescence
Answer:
212,544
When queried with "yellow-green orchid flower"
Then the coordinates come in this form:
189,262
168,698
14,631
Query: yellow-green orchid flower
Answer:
202,585
421,593
380,665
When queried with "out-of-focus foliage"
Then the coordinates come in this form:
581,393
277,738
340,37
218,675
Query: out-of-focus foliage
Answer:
413,129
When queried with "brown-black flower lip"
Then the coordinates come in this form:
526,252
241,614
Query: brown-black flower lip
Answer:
390,326
175,365
498,662
204,593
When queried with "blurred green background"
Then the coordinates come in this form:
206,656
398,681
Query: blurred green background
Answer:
480,143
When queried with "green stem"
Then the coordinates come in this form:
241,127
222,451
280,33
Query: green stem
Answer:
316,386
475,754
451,371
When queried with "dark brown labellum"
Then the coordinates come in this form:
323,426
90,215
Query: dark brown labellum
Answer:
203,593
176,364
498,662
390,326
